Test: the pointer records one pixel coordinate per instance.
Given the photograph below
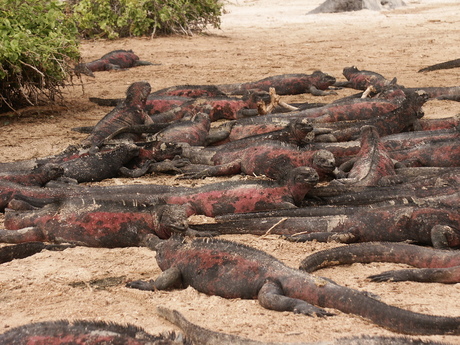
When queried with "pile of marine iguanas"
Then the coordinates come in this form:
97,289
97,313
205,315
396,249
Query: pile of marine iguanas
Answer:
367,169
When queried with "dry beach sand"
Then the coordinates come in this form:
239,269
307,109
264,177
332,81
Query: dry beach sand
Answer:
258,38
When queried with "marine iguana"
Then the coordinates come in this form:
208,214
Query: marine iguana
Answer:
372,162
38,176
88,166
163,99
433,265
438,123
129,112
438,154
343,151
443,65
217,108
230,270
41,196
435,226
212,199
80,164
86,332
23,250
343,119
439,190
362,80
267,157
115,60
94,223
297,131
203,336
192,131
245,196
101,332
286,84
451,93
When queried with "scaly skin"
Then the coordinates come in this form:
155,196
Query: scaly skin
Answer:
435,226
38,176
344,151
372,161
230,270
64,332
441,190
41,196
439,124
388,123
192,131
93,223
286,84
434,265
439,154
193,91
80,164
212,199
203,336
100,165
217,108
344,119
297,132
130,112
267,157
451,93
443,65
246,196
23,250
117,59
361,80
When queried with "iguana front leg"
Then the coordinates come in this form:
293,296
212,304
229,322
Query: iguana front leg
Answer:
444,237
271,297
170,278
449,275
317,92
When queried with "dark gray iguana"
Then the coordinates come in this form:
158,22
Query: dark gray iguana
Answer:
271,158
88,332
443,65
115,60
433,265
230,270
434,226
63,332
203,336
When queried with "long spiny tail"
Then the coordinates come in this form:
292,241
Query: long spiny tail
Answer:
443,65
390,317
403,253
203,336
23,250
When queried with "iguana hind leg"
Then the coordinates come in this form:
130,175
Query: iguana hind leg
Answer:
271,297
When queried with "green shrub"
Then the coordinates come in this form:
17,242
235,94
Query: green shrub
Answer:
37,45
124,18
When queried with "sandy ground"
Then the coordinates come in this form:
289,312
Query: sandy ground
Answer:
258,38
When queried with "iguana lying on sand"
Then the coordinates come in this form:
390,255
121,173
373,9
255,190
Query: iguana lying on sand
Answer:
231,270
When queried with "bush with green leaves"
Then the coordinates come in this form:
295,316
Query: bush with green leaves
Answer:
38,45
123,18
